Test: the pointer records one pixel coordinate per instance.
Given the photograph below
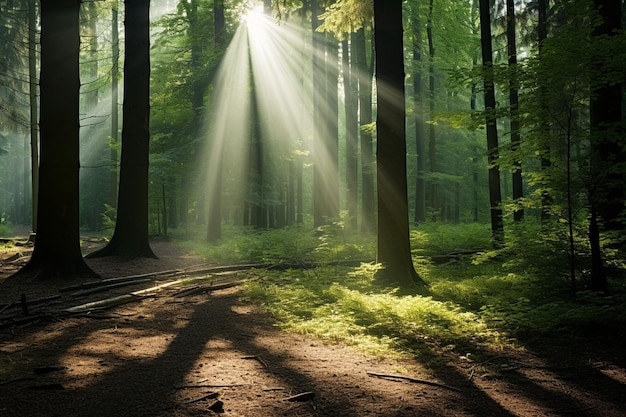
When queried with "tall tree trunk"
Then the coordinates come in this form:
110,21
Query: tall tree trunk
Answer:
91,178
214,223
320,120
605,109
546,164
418,120
115,70
432,145
518,187
394,247
607,156
365,117
34,122
352,131
495,198
256,182
57,252
130,237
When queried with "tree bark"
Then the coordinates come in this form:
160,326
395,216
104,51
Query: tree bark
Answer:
606,163
34,122
57,252
365,118
352,131
394,248
214,223
432,139
130,237
495,198
518,186
418,120
115,58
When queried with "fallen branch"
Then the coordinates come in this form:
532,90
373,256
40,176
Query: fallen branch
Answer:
103,288
121,299
26,320
258,358
111,281
303,396
7,306
106,303
210,386
414,380
22,378
30,302
208,396
207,288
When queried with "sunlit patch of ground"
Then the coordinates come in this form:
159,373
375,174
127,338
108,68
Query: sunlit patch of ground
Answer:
166,356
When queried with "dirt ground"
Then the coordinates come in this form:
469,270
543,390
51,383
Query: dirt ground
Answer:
171,353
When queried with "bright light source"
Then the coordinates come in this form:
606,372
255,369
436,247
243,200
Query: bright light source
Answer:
255,16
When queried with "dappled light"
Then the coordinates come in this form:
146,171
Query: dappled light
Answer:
313,209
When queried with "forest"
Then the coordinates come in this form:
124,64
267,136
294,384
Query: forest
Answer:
378,194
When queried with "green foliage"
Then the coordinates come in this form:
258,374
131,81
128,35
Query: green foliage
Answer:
475,302
337,304
347,16
5,229
4,145
337,244
443,238
243,245
108,219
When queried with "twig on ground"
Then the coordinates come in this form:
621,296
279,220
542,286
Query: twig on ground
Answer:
414,380
103,288
258,358
208,396
210,386
18,379
301,397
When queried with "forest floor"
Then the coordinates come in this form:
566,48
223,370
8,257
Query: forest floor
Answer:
173,353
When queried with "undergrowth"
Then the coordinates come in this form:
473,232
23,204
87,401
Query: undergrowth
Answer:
5,230
482,299
347,305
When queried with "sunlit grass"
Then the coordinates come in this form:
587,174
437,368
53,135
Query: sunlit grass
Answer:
348,306
296,244
473,302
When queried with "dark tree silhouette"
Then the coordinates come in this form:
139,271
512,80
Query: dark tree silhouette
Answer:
130,237
57,251
394,248
495,197
607,166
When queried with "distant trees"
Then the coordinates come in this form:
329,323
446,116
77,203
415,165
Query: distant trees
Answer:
561,93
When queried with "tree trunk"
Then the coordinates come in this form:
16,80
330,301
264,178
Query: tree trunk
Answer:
394,248
352,131
518,187
495,198
32,84
432,144
546,164
606,163
130,237
214,224
418,120
365,117
115,60
608,156
57,252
